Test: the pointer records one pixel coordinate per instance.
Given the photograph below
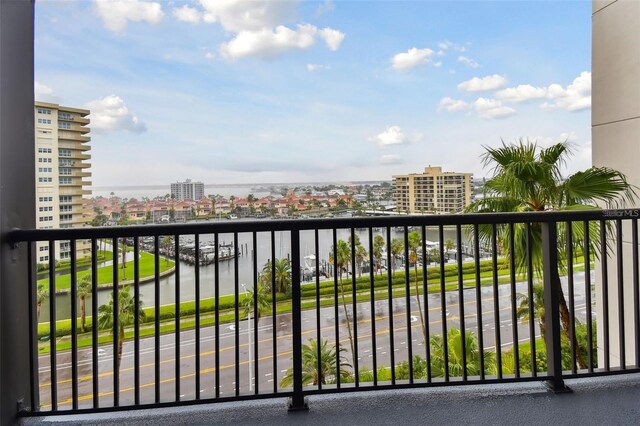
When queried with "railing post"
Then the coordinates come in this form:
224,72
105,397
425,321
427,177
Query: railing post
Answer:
551,281
298,401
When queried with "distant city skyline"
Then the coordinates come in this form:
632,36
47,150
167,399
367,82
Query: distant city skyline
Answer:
313,91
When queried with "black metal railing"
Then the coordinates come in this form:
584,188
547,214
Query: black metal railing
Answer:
235,310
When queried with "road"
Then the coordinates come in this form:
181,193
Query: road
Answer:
265,375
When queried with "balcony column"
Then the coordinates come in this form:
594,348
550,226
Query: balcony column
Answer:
17,202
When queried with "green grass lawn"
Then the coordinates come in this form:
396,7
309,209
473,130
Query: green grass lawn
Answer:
105,273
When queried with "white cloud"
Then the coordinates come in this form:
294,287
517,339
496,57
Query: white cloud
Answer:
326,7
390,159
393,135
241,15
268,43
453,105
110,114
411,58
492,108
490,82
576,97
438,64
522,93
116,14
44,93
468,62
316,67
445,45
332,37
209,55
187,14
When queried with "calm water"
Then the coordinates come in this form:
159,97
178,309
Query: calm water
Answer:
227,269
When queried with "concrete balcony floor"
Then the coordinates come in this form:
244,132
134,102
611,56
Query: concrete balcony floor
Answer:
609,400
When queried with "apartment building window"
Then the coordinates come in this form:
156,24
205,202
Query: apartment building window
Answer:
45,209
45,199
45,219
45,179
65,171
44,111
64,116
44,132
65,226
43,248
44,160
44,150
65,255
64,152
66,208
67,163
44,121
44,259
65,246
65,198
44,169
64,125
65,181
66,217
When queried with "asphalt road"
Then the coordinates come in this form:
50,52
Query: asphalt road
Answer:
266,378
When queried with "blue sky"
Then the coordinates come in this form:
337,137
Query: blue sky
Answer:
229,91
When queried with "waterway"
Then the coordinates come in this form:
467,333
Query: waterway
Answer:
227,268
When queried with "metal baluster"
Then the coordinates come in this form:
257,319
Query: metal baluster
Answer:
74,326
116,323
354,308
443,303
463,333
476,242
620,272
530,295
197,331
335,305
514,309
408,303
216,288
374,345
572,309
318,324
496,304
587,291
425,294
94,324
176,244
236,292
390,298
297,401
53,326
605,292
156,336
136,318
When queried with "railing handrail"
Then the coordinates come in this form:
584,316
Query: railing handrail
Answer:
29,235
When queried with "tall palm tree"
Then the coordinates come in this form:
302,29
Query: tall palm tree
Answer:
529,178
378,247
84,290
397,247
538,308
263,299
414,244
314,372
282,274
340,257
360,256
42,294
166,243
126,312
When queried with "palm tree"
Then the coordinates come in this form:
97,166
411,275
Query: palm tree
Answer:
529,178
84,290
340,257
42,294
448,246
314,372
378,247
454,361
397,247
282,275
126,312
166,244
263,299
361,256
414,244
538,308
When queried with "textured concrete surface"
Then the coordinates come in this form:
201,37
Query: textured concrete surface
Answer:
595,401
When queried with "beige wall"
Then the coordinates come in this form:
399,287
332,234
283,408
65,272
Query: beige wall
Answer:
615,120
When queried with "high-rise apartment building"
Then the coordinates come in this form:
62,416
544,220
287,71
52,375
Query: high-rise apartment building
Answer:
433,191
61,164
187,190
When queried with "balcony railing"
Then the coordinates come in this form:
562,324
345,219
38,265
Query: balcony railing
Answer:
427,301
